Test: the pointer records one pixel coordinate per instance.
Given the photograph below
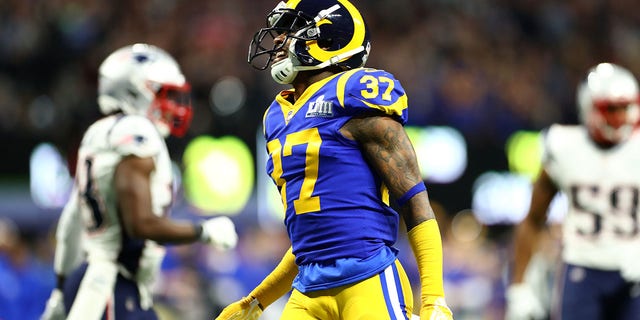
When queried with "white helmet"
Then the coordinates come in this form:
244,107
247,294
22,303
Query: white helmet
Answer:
608,103
145,80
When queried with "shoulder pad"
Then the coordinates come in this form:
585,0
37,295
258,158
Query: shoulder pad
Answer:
364,89
557,139
135,135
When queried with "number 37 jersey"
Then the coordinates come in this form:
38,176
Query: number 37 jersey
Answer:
335,204
603,190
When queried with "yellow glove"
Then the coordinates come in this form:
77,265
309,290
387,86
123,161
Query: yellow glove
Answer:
248,308
435,308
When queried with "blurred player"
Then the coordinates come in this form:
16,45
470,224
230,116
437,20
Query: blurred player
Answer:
123,193
596,165
337,151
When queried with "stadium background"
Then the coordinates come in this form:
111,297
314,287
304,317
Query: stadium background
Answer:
483,78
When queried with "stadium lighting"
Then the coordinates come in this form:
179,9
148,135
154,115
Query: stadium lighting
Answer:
49,178
441,151
524,150
504,198
218,174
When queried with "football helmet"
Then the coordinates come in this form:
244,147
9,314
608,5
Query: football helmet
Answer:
145,80
318,33
608,102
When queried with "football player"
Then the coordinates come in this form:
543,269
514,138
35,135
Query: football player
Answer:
338,152
117,213
596,165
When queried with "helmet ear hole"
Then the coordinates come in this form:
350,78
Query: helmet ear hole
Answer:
325,43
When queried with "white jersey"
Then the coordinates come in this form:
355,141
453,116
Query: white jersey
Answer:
603,190
103,146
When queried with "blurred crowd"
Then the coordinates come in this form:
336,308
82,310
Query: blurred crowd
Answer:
486,68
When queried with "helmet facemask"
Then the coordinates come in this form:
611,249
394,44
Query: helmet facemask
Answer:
171,110
612,122
282,20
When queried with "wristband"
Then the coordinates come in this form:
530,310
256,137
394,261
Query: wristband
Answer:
419,187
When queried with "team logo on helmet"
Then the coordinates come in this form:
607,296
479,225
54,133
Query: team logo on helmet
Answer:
314,34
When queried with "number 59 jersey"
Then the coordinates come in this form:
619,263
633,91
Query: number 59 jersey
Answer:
336,206
103,146
603,189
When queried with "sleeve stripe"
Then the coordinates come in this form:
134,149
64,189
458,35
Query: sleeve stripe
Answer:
342,83
394,108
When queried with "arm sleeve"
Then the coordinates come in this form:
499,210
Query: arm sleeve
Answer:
427,247
68,237
278,282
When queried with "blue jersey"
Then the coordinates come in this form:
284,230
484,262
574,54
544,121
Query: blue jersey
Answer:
336,206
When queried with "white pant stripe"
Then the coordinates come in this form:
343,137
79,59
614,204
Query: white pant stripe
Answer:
393,292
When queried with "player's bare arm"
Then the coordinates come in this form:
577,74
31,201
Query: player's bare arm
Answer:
132,183
529,231
388,149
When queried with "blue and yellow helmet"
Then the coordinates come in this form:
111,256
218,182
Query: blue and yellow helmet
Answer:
322,33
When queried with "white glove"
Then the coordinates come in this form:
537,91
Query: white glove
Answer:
630,264
54,309
220,232
523,304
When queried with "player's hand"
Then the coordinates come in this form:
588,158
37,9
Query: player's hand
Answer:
54,309
435,308
220,232
248,308
523,304
630,265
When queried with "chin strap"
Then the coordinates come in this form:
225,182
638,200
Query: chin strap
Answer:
283,72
